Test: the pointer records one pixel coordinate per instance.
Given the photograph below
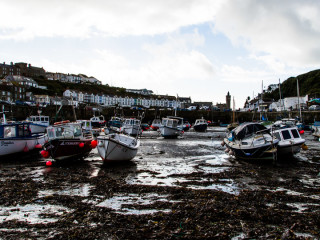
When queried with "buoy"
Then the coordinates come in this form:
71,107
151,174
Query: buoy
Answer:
81,145
45,153
304,147
26,149
38,146
93,143
48,163
301,131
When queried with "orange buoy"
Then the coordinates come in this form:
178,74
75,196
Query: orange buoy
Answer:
93,143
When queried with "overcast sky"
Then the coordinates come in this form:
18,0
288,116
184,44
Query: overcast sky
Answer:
194,48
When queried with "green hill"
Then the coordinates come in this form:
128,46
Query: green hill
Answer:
309,84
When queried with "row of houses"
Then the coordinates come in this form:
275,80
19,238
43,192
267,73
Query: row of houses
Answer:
27,70
288,104
108,101
14,87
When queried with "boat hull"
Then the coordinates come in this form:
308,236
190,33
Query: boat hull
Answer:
200,127
64,149
117,147
263,152
168,132
290,148
11,146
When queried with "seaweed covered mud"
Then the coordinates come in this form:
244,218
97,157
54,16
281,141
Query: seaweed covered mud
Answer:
185,188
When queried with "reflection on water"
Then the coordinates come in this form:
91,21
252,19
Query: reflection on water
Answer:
32,213
127,203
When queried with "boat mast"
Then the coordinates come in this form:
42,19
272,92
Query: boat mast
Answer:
299,98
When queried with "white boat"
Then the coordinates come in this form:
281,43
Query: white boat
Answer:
98,121
200,125
156,123
171,127
290,141
87,126
251,141
117,147
131,126
17,139
316,129
38,123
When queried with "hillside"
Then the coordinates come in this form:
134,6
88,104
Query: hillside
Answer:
57,87
309,84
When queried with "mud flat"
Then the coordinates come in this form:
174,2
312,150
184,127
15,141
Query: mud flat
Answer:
174,189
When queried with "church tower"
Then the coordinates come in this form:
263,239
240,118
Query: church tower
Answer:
228,100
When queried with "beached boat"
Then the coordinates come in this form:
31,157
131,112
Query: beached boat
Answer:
68,140
171,127
117,147
290,141
98,121
251,141
38,123
131,126
87,126
315,128
156,123
200,125
17,139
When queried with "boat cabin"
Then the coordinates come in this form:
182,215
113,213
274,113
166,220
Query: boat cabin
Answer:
132,121
42,120
201,121
15,130
64,131
287,134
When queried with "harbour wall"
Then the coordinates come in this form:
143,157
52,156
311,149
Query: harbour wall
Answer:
66,113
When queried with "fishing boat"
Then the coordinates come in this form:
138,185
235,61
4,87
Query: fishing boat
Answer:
200,125
68,140
87,126
117,147
290,140
16,138
156,123
98,121
39,123
171,127
113,125
131,126
251,141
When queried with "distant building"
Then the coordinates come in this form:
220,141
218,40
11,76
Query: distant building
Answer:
140,91
29,71
228,101
7,70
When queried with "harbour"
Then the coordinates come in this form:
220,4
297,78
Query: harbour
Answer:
186,188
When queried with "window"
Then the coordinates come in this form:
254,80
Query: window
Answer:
277,135
286,135
295,133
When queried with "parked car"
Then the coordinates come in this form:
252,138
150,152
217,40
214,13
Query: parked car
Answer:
314,108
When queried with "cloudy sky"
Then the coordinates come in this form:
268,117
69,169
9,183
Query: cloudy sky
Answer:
194,48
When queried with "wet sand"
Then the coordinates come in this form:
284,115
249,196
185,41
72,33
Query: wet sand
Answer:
184,188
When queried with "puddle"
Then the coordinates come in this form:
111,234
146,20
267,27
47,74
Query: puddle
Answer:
125,203
82,191
32,213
